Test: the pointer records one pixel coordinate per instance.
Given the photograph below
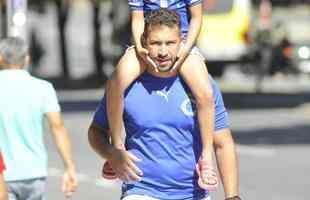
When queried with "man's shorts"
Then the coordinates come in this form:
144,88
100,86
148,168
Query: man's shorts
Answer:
144,197
32,189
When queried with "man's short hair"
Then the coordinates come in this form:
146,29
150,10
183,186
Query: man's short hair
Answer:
13,50
162,16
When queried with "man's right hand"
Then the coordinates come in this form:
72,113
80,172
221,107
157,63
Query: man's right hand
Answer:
123,163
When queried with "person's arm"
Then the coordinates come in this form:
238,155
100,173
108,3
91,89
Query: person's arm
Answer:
137,27
61,138
227,161
3,191
194,27
122,161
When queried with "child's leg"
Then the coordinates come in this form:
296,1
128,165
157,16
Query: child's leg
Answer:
127,70
195,74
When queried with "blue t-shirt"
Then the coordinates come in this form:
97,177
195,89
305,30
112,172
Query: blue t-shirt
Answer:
162,130
180,6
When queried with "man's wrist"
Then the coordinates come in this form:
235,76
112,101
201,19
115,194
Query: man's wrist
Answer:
233,198
69,165
110,152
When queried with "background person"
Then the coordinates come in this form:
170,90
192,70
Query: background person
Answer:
25,101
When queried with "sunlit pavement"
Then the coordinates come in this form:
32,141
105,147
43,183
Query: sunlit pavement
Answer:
273,147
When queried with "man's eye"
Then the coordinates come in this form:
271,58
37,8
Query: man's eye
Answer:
171,43
155,43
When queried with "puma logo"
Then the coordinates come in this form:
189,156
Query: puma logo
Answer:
163,94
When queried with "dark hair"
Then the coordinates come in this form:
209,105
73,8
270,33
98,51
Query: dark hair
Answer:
162,16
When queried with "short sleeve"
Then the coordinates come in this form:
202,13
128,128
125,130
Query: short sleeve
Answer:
192,2
100,116
221,115
50,101
1,164
136,4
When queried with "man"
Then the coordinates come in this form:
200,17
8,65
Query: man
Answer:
3,193
25,101
162,133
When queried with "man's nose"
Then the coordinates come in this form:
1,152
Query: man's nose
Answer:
163,51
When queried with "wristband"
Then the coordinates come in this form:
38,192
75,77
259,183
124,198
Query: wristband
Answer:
233,198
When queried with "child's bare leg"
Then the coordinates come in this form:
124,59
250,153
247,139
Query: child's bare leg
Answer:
195,74
127,70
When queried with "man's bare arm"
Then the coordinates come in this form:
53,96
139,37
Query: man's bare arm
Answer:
61,138
98,139
122,161
227,161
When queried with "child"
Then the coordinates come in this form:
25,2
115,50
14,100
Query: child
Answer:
129,68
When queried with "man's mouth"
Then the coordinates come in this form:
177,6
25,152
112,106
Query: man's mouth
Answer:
164,65
163,61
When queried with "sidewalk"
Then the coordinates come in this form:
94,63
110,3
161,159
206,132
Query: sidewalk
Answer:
235,81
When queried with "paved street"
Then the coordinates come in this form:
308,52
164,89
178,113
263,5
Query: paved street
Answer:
273,146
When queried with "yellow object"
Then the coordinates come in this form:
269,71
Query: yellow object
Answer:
223,33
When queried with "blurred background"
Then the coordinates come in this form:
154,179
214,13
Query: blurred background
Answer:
259,52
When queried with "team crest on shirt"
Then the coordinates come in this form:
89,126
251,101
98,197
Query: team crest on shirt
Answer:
188,107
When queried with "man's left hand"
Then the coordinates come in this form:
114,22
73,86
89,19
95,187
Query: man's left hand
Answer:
69,182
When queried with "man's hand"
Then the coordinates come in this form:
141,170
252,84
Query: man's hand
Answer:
69,182
123,163
207,178
182,55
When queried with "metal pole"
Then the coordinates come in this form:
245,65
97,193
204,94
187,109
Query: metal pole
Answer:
16,18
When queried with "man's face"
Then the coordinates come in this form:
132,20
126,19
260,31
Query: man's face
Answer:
163,43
